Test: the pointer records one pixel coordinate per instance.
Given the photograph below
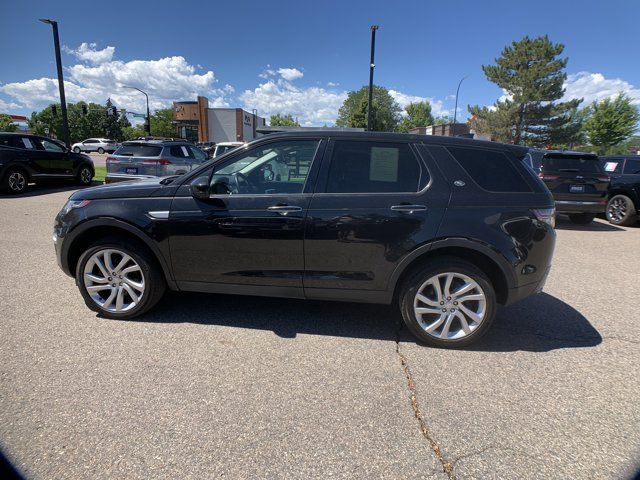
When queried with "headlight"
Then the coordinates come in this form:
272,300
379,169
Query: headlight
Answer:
71,204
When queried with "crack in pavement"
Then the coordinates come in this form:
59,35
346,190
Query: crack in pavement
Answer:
447,467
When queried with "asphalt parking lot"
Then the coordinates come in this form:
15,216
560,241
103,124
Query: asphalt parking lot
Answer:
223,386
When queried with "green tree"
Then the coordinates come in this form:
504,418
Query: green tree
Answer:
531,73
131,133
111,124
611,122
6,123
162,123
81,125
442,120
386,111
418,115
279,120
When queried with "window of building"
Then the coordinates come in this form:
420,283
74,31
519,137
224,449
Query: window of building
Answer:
490,169
373,167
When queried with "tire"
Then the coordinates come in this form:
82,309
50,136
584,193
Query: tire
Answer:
76,150
15,181
621,211
148,274
461,271
85,175
581,218
100,150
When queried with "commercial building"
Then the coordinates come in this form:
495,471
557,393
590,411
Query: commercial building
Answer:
196,122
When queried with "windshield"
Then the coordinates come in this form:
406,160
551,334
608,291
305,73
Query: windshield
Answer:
566,163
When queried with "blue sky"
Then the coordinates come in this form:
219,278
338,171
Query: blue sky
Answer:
302,57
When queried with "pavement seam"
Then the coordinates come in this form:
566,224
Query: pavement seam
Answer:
447,467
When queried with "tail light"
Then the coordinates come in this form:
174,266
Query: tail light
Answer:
546,176
158,162
546,215
111,159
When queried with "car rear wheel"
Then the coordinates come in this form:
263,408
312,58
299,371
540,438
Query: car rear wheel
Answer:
448,303
76,149
85,175
621,210
100,150
119,279
15,181
581,218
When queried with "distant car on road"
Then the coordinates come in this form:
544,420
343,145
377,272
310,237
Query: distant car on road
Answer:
576,180
139,159
224,147
623,206
100,145
31,158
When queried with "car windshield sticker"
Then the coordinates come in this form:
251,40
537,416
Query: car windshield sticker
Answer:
27,142
184,151
384,164
610,166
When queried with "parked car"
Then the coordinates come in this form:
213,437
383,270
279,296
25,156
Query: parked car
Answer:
576,180
224,147
31,158
623,206
141,159
446,228
100,145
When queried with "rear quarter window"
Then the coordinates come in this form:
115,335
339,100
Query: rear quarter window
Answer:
139,150
632,167
490,169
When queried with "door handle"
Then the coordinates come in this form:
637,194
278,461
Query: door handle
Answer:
284,209
408,208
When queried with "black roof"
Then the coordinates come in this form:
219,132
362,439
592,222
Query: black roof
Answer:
560,153
426,139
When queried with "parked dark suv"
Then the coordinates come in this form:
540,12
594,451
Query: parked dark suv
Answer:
576,180
447,228
624,192
31,158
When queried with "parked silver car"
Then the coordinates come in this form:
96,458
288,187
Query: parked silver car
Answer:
140,159
99,145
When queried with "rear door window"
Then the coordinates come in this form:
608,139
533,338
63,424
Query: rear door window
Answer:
490,169
180,151
374,167
139,150
632,167
573,163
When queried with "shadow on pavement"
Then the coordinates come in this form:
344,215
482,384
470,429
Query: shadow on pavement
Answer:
595,226
538,324
7,470
47,188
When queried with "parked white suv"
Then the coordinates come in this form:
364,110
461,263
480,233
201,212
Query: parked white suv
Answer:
99,145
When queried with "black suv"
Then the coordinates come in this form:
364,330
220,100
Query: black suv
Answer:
447,228
30,158
624,192
576,180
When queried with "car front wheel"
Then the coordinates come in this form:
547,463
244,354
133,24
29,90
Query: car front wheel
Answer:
100,150
76,149
448,303
621,210
119,279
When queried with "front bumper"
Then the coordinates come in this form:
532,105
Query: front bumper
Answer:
575,206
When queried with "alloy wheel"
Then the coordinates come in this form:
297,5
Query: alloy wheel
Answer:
17,181
85,175
450,306
617,209
114,280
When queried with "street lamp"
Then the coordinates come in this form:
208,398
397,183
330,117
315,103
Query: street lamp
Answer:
371,67
455,110
63,101
148,126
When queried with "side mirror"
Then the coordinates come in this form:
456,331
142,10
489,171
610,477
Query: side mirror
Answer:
200,188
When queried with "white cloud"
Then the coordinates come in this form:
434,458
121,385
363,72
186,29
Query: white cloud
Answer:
437,106
313,105
6,106
290,73
595,87
87,52
333,84
165,80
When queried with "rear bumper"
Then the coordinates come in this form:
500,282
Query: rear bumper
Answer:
575,206
114,177
524,291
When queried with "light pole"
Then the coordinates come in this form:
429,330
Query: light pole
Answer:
371,67
455,109
63,101
148,125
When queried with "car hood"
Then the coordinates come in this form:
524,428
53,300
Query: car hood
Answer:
130,189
